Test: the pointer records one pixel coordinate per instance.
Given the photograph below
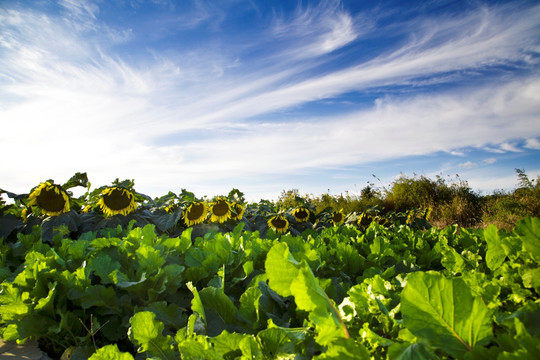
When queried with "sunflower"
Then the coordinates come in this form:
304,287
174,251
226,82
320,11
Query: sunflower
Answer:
427,213
337,217
301,214
170,208
117,200
279,223
238,213
220,210
50,198
364,220
410,217
195,213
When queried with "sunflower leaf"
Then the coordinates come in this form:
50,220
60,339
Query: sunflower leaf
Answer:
495,253
445,312
146,332
110,352
79,179
529,230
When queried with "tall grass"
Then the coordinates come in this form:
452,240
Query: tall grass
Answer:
452,200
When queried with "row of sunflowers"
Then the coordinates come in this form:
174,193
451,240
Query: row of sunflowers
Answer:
53,205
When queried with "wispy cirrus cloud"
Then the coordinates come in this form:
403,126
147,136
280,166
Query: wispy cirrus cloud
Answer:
212,115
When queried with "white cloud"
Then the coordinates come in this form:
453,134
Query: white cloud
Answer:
82,108
490,161
317,30
532,144
492,181
510,147
468,165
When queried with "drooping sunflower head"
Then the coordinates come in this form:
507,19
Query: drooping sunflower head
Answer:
427,213
50,198
301,214
238,211
195,213
337,217
410,217
117,201
279,223
364,220
220,210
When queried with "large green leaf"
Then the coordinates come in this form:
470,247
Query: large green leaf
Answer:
288,277
445,312
150,259
216,299
281,269
529,230
146,332
79,179
344,349
103,265
110,352
495,254
408,351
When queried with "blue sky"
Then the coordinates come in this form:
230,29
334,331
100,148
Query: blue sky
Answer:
266,96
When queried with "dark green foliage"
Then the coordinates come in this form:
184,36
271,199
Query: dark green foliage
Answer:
341,293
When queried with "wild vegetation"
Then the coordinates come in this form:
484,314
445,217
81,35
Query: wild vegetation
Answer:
452,201
114,274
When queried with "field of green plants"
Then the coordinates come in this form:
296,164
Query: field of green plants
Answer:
117,275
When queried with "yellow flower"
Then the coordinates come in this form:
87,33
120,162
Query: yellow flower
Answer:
337,217
301,214
117,201
50,198
427,213
238,213
279,223
24,214
169,209
195,213
220,210
410,217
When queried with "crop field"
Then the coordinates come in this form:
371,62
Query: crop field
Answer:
117,275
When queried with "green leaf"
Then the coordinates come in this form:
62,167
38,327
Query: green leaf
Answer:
197,308
275,341
228,344
408,351
196,347
170,314
250,348
146,332
445,312
216,299
452,260
103,265
345,349
529,230
79,179
308,294
14,311
281,269
495,253
249,306
150,259
122,280
99,295
531,278
110,352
